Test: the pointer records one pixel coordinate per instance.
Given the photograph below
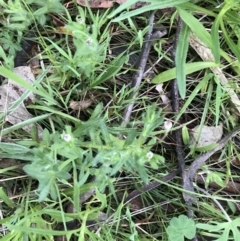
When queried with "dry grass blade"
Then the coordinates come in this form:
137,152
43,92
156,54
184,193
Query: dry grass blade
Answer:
205,53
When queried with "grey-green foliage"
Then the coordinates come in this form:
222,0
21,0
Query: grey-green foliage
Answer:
84,54
16,16
93,150
20,14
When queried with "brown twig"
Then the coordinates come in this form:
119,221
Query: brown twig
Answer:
137,78
136,193
175,105
188,178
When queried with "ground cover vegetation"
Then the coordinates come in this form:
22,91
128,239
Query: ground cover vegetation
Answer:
119,120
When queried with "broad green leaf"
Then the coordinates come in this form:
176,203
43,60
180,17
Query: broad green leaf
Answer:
232,206
180,228
190,68
180,60
17,156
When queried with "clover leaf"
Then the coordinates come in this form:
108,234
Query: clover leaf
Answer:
181,227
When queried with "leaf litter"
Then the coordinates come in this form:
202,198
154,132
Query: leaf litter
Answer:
10,93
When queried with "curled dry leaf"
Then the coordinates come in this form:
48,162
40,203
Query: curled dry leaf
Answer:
106,3
80,105
165,100
208,136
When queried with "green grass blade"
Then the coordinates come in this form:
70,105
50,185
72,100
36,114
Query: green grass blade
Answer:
53,111
201,84
215,35
180,60
215,40
10,75
192,7
190,68
203,117
59,49
152,6
218,100
195,26
114,68
24,123
41,231
234,48
6,199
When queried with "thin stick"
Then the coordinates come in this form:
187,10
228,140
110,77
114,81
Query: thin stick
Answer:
137,78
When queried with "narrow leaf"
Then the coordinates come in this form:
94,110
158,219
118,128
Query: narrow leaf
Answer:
215,40
152,6
190,68
195,26
10,75
114,68
24,123
6,199
180,59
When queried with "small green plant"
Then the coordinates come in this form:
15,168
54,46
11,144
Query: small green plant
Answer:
180,228
17,16
21,14
88,50
226,228
7,43
90,150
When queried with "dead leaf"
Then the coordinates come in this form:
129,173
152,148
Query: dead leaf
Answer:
96,3
11,92
8,97
106,3
235,161
25,73
208,136
80,105
165,100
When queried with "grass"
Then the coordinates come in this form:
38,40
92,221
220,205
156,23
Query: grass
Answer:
68,177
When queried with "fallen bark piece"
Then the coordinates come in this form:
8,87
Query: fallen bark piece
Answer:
205,53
